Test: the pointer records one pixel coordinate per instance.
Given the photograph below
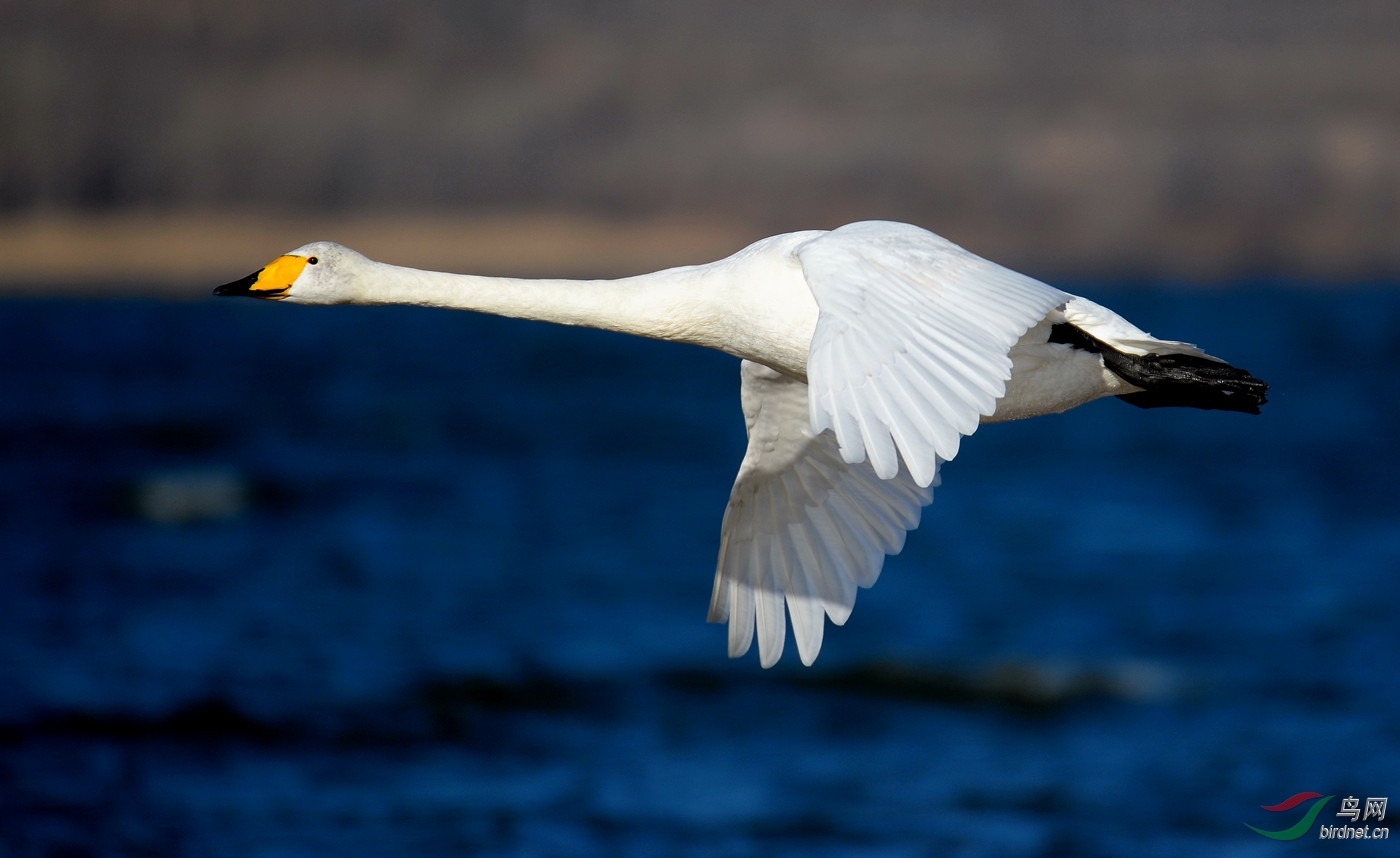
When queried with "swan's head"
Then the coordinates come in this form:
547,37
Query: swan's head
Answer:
315,273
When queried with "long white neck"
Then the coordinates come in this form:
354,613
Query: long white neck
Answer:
754,304
676,304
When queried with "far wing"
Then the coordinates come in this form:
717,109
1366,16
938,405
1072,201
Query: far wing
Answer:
803,527
1112,329
912,341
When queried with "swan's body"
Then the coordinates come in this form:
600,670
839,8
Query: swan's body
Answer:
895,340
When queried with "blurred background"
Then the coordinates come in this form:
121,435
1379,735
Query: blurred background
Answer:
366,581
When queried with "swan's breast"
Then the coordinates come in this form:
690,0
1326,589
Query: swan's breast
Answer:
761,307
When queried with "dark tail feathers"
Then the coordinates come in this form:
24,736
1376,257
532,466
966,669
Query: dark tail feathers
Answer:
1173,380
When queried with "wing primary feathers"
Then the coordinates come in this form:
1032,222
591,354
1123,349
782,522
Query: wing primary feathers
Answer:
741,617
772,627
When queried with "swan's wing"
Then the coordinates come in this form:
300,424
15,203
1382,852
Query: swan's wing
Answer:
1112,329
912,341
802,527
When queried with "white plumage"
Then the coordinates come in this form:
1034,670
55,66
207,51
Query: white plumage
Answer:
868,352
802,525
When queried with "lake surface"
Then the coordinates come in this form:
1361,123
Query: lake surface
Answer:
384,581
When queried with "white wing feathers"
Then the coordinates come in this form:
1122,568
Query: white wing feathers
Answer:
912,347
1107,326
803,528
912,341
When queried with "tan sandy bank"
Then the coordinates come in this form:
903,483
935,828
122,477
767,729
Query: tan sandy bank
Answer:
186,254
189,253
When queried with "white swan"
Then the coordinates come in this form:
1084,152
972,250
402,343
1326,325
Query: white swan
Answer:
862,347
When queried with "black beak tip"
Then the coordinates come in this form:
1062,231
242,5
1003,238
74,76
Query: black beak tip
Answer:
238,287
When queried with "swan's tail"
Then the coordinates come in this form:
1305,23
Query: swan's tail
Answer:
1173,380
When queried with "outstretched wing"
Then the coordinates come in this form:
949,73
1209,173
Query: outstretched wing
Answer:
912,341
803,527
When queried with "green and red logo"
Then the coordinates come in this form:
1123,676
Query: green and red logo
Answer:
1298,829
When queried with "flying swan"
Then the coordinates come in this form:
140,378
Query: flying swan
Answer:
867,351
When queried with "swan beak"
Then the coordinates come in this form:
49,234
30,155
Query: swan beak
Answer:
272,281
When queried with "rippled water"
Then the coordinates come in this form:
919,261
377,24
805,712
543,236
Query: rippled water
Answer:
369,581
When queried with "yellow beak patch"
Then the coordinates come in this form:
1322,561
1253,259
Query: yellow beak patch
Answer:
272,281
278,275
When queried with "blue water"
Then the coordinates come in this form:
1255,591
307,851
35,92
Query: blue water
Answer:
448,598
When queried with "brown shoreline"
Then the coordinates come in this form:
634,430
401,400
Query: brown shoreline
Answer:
184,254
172,255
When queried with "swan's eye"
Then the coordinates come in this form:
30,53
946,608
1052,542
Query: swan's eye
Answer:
313,260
